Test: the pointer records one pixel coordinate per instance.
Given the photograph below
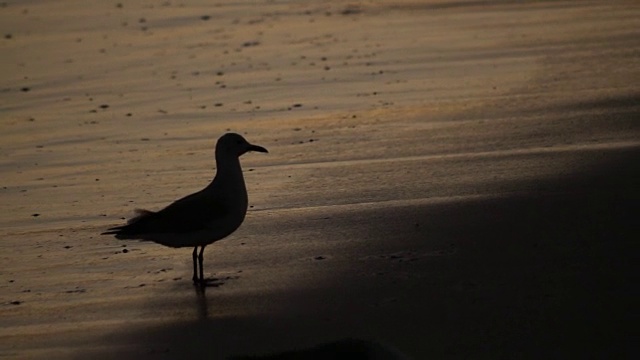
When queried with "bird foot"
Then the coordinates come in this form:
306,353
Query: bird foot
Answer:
208,282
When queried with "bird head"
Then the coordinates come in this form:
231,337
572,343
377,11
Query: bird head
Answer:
235,144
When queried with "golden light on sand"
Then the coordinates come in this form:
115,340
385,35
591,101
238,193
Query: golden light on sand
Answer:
449,178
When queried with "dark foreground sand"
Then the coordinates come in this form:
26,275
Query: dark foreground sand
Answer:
446,179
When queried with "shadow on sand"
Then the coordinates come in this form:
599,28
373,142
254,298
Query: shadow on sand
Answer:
545,268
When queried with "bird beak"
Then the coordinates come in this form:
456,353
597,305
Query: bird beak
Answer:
257,148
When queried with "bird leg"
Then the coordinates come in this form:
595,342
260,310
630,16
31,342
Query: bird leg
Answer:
200,259
195,266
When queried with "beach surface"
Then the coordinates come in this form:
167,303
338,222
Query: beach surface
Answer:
446,179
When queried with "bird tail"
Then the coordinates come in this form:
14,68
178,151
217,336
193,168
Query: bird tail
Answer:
124,230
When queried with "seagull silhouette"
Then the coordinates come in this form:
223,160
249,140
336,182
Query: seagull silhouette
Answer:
204,217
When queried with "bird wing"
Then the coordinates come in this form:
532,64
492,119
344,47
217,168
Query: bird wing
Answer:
191,213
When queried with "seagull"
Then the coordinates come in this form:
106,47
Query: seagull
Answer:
204,217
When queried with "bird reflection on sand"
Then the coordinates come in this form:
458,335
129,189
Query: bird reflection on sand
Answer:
201,302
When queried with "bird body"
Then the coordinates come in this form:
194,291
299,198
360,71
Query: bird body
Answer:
204,217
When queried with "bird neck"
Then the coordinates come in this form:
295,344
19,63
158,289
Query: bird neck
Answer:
228,171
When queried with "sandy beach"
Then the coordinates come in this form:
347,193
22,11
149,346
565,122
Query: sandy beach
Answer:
445,179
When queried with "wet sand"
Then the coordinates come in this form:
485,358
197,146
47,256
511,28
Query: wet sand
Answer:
447,179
